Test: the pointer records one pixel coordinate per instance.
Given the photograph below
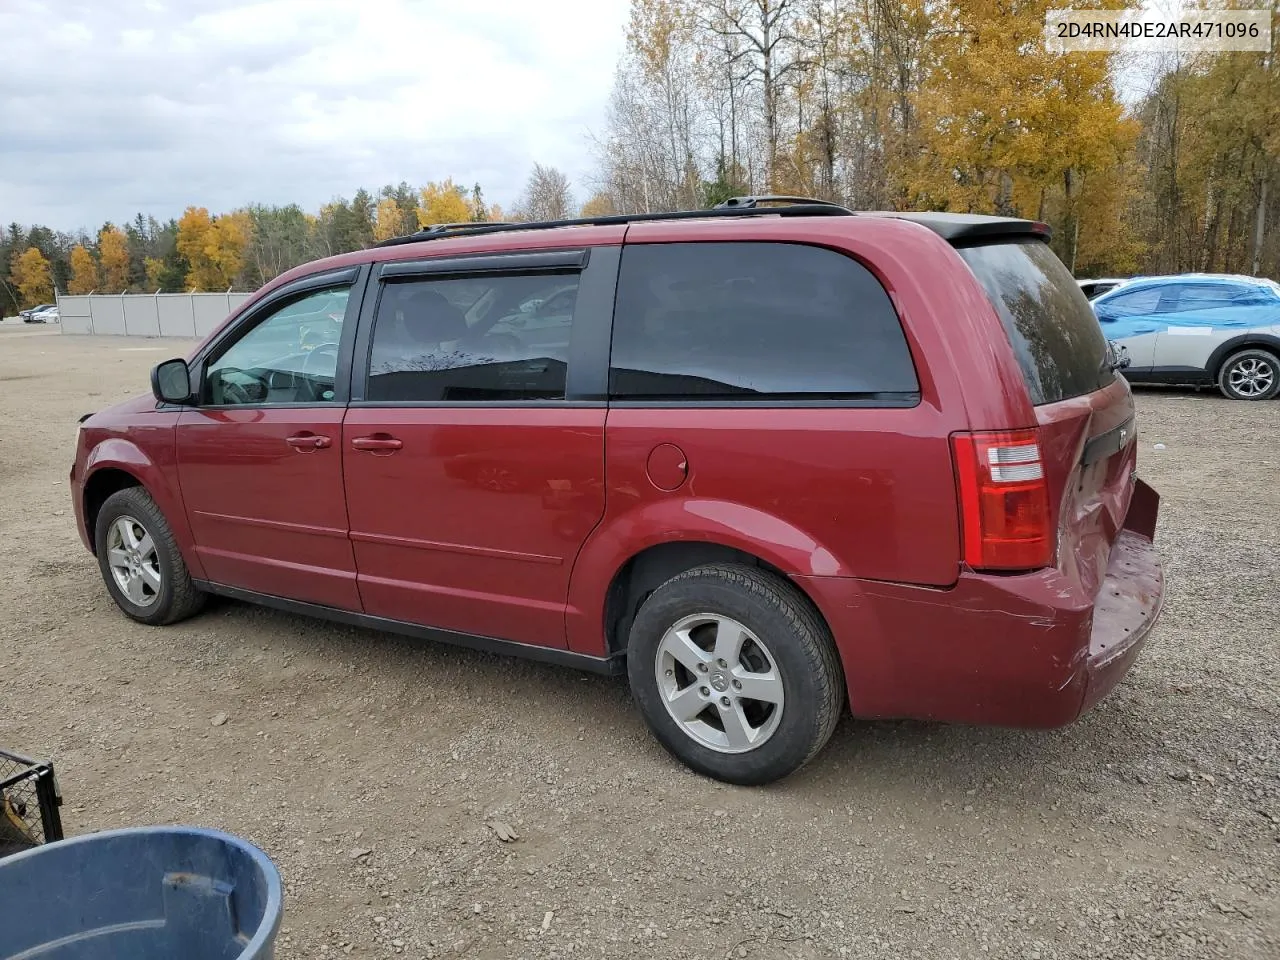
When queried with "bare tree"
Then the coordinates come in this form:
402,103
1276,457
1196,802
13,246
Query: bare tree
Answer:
769,44
546,196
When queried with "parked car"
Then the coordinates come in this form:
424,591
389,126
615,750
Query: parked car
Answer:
730,464
1097,287
41,313
1198,329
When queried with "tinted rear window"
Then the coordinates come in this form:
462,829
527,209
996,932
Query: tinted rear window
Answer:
755,321
1059,344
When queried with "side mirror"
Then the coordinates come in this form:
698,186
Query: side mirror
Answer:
171,381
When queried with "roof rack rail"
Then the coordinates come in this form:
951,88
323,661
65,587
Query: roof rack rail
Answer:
796,207
753,202
465,224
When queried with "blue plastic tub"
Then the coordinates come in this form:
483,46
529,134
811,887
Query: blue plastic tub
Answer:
148,893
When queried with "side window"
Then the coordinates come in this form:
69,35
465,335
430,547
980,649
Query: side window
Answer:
290,356
1245,296
501,338
1134,304
1185,297
754,321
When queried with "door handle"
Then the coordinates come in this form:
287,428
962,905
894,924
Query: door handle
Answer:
377,443
309,441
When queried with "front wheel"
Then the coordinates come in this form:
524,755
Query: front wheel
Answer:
735,673
140,562
1250,375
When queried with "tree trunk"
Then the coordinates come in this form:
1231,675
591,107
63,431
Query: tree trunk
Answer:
1208,237
1004,194
768,89
1259,230
733,124
1072,190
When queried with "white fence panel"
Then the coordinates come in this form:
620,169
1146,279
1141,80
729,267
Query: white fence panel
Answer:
147,315
107,314
176,315
74,315
211,309
140,317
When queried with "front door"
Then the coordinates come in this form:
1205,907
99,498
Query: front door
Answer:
260,456
472,481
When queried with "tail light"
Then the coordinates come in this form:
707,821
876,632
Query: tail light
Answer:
1004,500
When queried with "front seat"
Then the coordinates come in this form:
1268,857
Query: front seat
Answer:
431,322
422,326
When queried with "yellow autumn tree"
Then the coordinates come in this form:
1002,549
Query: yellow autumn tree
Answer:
193,237
30,274
1106,242
443,202
1009,127
389,220
214,247
600,205
155,270
228,239
113,255
84,271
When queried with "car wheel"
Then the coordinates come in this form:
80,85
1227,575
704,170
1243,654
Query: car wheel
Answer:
140,561
1250,375
735,673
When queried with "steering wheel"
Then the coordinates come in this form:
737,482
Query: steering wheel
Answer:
326,349
237,393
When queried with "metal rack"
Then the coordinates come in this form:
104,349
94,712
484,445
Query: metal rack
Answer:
29,802
733,207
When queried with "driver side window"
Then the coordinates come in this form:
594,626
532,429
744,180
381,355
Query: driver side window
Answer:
291,356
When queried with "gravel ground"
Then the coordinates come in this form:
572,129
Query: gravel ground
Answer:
371,768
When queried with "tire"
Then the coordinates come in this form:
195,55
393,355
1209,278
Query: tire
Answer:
787,655
160,590
1251,374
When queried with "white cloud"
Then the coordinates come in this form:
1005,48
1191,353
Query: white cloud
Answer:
146,105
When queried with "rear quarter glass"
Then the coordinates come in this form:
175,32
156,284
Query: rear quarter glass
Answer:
1055,335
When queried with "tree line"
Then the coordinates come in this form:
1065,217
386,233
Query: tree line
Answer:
243,249
878,104
948,105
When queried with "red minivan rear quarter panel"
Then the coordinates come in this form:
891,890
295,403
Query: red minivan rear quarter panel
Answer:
852,492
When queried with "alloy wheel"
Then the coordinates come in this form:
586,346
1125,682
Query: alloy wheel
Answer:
134,563
719,683
1252,377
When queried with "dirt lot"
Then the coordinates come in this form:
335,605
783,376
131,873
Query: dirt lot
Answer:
368,766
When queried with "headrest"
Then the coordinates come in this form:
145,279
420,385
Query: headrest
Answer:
428,316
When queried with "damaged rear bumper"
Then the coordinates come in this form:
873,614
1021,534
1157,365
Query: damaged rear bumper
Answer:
1128,605
1031,650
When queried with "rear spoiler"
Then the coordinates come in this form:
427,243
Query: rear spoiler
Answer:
961,228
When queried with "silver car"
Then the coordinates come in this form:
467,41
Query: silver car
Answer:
1097,286
1198,329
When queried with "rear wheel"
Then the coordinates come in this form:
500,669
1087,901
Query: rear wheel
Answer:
1251,374
140,562
735,673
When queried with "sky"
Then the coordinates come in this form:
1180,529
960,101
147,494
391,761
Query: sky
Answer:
111,107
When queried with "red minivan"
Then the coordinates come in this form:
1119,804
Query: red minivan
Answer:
768,459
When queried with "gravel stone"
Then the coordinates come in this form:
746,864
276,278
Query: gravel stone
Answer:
1150,828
